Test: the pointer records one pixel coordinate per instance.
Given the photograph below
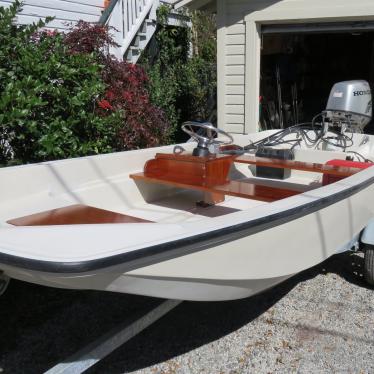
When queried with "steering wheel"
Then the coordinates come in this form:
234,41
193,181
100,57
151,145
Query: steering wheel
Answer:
203,142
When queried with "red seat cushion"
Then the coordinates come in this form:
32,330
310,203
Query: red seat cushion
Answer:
328,179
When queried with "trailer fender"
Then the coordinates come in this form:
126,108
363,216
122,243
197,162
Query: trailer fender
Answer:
367,236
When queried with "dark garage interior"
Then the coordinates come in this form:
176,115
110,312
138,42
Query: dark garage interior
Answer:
298,71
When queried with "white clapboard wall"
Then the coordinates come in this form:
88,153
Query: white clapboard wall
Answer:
65,12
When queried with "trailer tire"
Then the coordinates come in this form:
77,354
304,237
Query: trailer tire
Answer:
369,264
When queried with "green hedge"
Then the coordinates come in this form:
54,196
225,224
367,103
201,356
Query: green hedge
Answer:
183,77
47,97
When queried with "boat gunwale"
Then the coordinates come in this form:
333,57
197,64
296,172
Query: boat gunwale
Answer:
193,243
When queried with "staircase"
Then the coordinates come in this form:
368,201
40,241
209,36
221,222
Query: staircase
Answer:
134,23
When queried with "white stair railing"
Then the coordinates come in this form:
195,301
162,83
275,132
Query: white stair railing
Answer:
126,17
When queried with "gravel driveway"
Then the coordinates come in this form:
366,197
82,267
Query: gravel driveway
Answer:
320,321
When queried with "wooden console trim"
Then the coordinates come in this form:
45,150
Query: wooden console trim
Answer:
210,175
207,174
198,171
77,214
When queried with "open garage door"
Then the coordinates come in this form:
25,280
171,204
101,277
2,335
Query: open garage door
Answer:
327,27
301,62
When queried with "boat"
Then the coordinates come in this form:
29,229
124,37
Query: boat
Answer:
221,220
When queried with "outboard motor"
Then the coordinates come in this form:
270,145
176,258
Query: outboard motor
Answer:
349,105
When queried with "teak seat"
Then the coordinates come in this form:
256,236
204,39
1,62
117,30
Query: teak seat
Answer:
210,175
339,171
207,174
231,188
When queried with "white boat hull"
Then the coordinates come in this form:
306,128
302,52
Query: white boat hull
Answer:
229,256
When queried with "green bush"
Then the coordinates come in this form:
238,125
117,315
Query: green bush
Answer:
61,96
47,97
183,80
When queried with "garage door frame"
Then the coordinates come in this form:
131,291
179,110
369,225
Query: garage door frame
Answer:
295,13
318,28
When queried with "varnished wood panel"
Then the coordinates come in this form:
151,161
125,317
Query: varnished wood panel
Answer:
298,165
74,215
209,170
207,174
232,188
188,157
253,191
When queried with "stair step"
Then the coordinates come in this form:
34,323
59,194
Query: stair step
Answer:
134,49
139,38
131,56
146,24
144,35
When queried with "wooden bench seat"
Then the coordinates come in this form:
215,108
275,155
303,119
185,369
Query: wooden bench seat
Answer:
210,175
231,188
340,171
207,174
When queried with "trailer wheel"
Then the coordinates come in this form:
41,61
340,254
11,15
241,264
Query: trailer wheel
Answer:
369,264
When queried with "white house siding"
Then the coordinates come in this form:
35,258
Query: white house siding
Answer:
65,12
231,66
239,47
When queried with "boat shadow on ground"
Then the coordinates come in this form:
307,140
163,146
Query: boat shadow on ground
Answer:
43,326
194,324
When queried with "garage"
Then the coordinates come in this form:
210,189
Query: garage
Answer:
301,62
322,41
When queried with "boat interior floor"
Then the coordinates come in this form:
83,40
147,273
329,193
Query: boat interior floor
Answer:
171,189
170,206
176,208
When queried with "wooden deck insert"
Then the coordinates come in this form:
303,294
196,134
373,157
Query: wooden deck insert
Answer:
74,215
207,174
232,188
210,175
340,171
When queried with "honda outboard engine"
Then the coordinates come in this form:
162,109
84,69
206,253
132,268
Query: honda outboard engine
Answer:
349,105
